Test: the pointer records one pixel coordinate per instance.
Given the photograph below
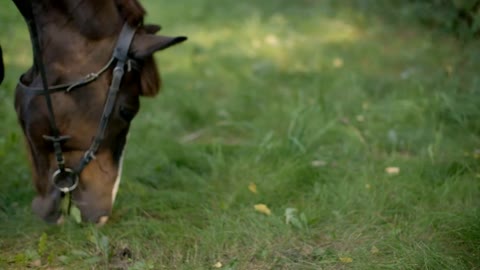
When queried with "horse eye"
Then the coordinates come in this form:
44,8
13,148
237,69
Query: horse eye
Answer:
127,114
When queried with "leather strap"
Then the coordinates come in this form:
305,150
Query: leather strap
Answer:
66,86
121,55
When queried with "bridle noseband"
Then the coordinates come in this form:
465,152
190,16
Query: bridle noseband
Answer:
66,179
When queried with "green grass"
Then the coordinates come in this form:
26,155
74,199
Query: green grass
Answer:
310,101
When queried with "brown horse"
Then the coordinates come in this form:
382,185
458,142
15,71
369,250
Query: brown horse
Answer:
76,38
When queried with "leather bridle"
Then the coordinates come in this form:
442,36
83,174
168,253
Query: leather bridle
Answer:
66,179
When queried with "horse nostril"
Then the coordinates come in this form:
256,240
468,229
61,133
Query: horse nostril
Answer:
48,207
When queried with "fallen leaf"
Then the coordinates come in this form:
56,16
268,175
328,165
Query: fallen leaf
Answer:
449,70
346,259
318,163
368,186
476,154
36,263
374,250
218,265
345,120
407,73
337,62
252,187
262,208
392,170
360,118
271,40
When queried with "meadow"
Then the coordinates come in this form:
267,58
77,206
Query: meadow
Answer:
300,134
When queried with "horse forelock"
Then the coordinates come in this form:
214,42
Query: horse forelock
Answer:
94,19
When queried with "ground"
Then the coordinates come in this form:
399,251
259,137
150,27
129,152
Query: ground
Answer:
289,135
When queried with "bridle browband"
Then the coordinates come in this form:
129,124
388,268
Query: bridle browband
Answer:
66,179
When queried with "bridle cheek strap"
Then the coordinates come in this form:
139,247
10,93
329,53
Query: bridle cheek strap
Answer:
120,54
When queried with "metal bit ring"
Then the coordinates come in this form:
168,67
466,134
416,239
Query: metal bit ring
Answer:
66,180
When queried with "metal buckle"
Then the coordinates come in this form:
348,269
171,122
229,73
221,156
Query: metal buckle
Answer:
66,180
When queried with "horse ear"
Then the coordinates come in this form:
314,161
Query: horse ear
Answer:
145,45
151,28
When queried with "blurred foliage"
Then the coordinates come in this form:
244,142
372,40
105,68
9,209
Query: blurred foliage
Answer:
461,17
457,17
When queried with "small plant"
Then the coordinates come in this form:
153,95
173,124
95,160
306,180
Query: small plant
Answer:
102,245
70,210
295,220
42,244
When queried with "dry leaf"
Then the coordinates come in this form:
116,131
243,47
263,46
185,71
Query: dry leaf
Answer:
36,263
346,259
374,250
476,154
392,170
318,163
337,62
217,265
262,208
271,40
449,70
368,186
365,105
360,118
253,188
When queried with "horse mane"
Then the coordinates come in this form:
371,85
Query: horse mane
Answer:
85,14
